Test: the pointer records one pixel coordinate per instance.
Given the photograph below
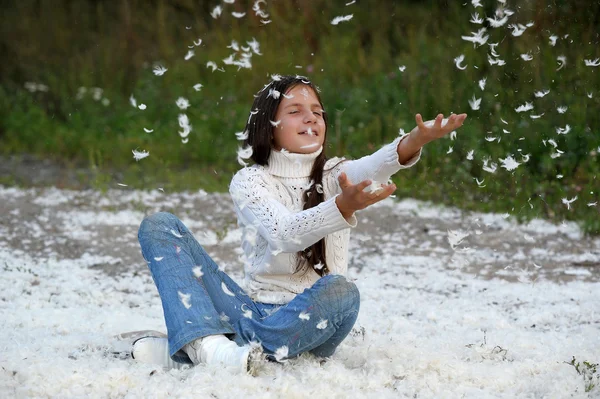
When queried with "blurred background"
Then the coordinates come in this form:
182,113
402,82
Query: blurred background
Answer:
83,84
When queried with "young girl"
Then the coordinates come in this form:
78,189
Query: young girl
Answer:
296,210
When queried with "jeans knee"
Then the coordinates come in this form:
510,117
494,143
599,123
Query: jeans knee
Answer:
156,221
345,292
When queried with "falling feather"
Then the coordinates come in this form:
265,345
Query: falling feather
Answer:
198,86
496,23
474,103
132,101
343,18
493,49
212,65
489,166
458,60
482,83
593,63
470,155
142,106
226,290
478,37
565,130
246,313
517,30
242,135
526,57
562,61
185,299
281,353
148,130
322,324
158,258
525,107
509,163
182,103
568,202
176,233
304,316
137,155
238,14
541,93
159,70
475,19
197,271
561,110
496,61
553,40
244,153
189,55
274,93
276,123
216,12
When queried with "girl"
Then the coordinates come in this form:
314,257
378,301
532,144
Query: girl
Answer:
296,210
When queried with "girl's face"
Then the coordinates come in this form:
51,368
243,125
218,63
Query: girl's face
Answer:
300,124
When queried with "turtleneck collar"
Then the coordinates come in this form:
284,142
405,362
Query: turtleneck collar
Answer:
287,164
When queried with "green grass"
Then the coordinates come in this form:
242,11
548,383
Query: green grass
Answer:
89,44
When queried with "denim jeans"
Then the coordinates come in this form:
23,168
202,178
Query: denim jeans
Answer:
198,300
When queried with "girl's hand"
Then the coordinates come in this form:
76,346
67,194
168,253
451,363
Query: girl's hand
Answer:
353,198
439,127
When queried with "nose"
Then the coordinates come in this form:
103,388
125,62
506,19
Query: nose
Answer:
309,117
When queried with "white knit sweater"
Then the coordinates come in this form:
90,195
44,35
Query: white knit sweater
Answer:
268,203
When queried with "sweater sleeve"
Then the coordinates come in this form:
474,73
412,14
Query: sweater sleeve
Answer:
286,231
379,166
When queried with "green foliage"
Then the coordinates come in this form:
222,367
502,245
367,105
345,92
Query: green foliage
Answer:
114,46
589,372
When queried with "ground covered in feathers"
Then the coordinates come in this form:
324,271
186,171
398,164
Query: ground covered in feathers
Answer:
453,304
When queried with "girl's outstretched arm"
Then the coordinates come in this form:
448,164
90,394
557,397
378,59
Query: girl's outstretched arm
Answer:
426,132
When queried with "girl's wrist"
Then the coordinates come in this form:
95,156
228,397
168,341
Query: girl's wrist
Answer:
417,137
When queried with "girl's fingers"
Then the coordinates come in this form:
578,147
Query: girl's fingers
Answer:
364,184
438,121
343,180
381,195
419,120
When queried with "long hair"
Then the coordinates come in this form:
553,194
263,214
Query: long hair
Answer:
260,138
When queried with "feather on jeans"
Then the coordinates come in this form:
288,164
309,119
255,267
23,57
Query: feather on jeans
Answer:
198,300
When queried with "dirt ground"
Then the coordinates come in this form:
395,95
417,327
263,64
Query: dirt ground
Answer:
69,224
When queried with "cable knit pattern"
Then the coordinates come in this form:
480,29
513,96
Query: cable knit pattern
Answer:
268,204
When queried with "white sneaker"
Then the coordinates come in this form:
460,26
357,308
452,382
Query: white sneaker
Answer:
154,350
219,350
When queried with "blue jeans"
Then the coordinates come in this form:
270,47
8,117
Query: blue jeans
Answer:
199,299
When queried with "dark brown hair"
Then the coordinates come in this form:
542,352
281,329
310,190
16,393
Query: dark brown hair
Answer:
260,138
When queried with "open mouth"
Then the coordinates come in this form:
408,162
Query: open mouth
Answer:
310,133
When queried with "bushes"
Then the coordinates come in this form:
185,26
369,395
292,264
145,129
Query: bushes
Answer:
355,63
